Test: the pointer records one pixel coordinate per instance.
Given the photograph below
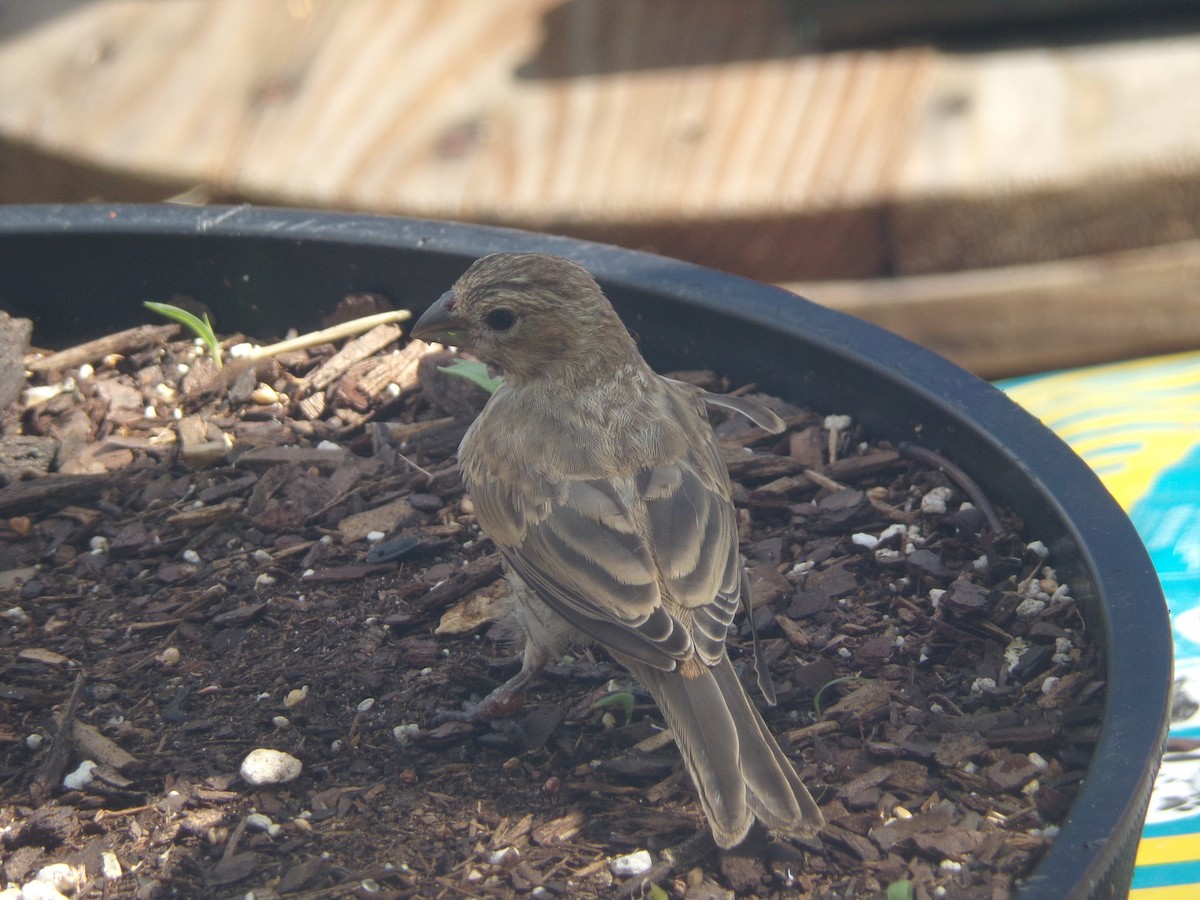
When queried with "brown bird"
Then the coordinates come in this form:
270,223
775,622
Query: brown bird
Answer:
601,484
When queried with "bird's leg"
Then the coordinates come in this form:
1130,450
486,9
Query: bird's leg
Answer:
508,697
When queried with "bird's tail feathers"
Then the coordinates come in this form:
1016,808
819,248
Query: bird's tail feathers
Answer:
737,767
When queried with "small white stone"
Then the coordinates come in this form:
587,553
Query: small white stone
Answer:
81,777
804,566
328,445
281,722
40,890
374,537
636,863
979,685
861,539
191,556
1030,607
264,580
241,350
950,865
1038,549
110,866
16,615
886,554
170,656
406,734
266,766
506,857
366,704
844,653
87,370
34,741
258,822
262,556
1038,760
63,876
935,500
99,544
295,697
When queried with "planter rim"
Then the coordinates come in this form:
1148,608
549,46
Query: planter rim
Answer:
1138,663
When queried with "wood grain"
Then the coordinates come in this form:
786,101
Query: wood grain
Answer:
1033,318
702,129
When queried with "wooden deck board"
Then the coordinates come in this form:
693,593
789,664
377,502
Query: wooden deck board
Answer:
703,129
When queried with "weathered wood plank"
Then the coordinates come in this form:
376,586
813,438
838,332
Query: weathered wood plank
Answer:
1033,318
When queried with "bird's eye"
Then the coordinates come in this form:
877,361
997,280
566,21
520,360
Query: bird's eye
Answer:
500,319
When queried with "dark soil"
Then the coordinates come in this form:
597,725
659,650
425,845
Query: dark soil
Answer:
180,589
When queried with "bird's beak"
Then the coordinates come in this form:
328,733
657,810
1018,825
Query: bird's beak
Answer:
442,323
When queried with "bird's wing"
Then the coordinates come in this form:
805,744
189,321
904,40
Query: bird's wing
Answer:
647,565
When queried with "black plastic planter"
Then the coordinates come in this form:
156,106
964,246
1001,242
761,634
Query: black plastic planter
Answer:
80,271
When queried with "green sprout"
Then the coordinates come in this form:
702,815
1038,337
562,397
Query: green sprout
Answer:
826,686
623,699
475,372
900,890
202,327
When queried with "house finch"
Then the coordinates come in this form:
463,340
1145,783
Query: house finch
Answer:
602,487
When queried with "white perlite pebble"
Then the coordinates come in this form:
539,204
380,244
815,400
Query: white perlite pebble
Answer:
935,500
636,863
266,766
16,615
40,890
1030,607
62,876
405,734
110,866
260,822
81,777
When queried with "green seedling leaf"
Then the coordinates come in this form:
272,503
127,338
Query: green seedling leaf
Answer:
473,371
202,327
623,699
900,890
826,686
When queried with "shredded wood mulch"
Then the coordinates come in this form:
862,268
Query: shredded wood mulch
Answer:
197,562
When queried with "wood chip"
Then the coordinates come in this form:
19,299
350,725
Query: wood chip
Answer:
94,745
122,343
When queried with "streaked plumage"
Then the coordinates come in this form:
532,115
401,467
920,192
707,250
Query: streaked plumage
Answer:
601,484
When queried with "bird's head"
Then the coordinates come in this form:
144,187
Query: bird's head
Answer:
531,315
